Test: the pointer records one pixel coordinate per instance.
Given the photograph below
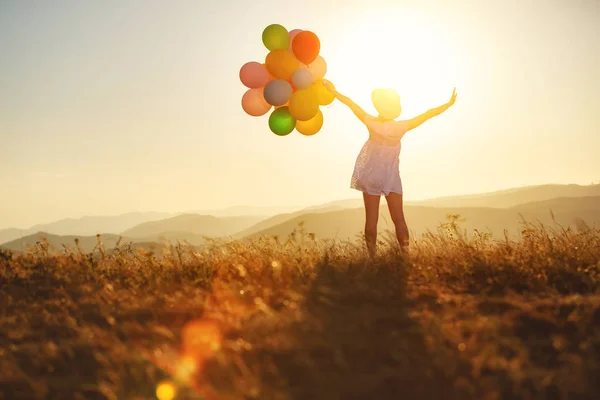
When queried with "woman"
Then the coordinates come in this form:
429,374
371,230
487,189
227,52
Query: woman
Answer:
377,170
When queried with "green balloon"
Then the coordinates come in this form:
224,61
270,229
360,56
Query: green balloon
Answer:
276,37
281,121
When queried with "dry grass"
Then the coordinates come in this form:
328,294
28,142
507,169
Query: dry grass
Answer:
304,319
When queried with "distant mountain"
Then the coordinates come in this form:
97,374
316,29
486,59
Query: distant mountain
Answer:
191,227
85,226
6,235
93,225
243,221
563,204
513,197
86,243
252,211
282,218
500,199
174,237
340,224
336,205
349,223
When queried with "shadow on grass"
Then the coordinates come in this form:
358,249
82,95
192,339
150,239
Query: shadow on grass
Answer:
353,339
367,346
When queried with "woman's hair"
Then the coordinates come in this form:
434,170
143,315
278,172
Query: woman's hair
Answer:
387,103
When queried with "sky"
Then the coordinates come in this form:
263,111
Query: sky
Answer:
114,106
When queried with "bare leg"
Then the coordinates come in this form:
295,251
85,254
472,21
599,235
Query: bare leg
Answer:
395,204
372,216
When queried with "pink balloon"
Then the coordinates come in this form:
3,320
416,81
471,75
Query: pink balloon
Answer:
254,103
293,34
254,75
318,67
302,78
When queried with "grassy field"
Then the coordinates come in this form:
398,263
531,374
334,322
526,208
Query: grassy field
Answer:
298,318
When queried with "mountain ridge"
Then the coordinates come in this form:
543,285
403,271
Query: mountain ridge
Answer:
241,226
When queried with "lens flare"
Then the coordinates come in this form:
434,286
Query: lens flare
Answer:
186,368
201,339
165,391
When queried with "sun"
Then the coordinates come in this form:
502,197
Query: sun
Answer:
399,49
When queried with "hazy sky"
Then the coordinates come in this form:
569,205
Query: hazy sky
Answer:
121,105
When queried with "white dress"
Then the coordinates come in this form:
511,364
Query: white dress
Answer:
377,168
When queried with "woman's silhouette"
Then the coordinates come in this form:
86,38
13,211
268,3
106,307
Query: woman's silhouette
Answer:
377,170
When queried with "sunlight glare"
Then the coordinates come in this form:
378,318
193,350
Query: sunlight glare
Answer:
396,48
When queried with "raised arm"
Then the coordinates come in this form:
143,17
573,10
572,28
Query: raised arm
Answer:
359,112
416,121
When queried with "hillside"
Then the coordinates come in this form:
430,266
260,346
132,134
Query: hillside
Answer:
191,227
498,199
86,243
336,205
7,235
174,237
349,223
482,210
531,198
85,226
513,197
340,224
251,211
282,219
563,204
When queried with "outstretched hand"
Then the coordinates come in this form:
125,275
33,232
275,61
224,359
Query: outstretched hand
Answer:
453,98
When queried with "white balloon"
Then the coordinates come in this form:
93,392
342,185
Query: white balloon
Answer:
302,78
278,92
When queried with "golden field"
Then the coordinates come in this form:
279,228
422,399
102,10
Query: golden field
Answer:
458,317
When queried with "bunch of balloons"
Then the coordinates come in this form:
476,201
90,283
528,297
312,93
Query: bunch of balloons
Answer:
290,81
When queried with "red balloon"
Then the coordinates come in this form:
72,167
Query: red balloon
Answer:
306,46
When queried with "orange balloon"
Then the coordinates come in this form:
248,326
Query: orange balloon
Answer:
254,103
306,46
324,96
271,77
304,104
312,126
281,63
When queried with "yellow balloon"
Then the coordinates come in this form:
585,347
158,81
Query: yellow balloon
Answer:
312,126
304,104
324,96
281,63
